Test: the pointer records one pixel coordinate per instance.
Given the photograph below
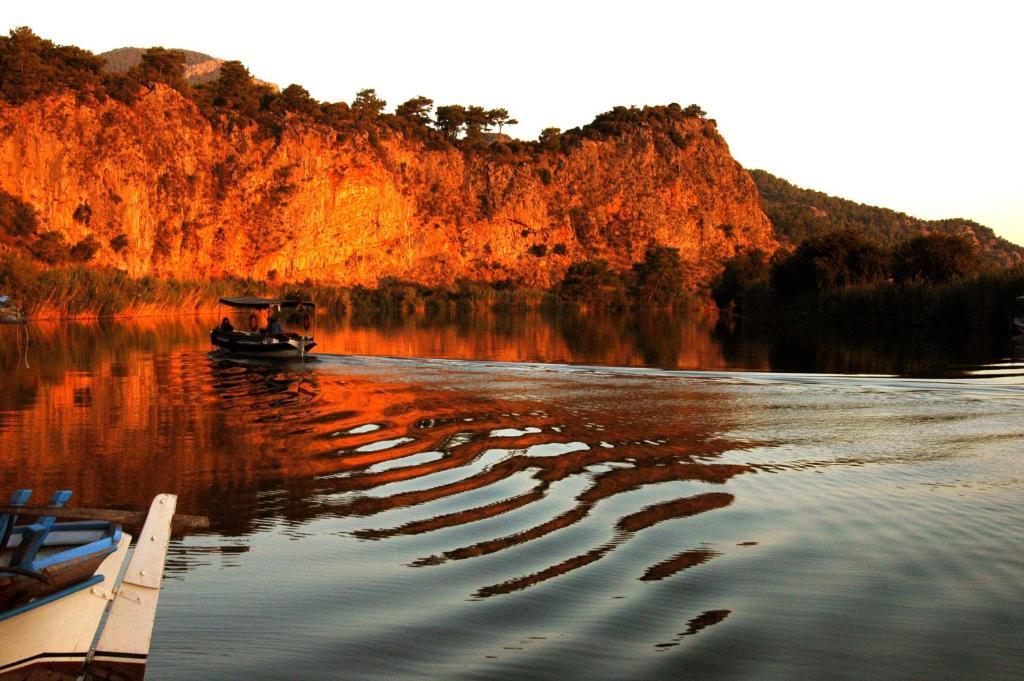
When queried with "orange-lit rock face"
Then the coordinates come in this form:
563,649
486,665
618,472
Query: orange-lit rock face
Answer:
195,202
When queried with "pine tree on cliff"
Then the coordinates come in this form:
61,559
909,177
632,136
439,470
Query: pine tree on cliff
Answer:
450,119
500,118
295,99
32,67
416,109
235,90
367,105
477,121
160,65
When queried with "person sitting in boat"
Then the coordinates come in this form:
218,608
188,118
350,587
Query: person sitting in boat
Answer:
274,326
226,326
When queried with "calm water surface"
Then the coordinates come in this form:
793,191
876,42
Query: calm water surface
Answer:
529,497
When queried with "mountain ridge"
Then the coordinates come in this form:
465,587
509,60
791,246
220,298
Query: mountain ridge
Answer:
798,213
199,67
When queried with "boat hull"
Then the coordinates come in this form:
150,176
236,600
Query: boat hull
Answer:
256,345
19,589
52,641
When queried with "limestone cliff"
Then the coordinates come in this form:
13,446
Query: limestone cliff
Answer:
194,200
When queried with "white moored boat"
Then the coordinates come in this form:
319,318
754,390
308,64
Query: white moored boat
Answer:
58,580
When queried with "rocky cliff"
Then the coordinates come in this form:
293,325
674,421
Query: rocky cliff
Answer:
164,191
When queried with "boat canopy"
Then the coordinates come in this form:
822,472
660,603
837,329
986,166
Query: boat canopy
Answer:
251,302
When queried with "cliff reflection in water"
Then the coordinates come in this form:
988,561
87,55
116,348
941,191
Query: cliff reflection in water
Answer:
121,412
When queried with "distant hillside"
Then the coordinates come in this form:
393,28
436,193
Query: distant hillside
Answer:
199,67
797,214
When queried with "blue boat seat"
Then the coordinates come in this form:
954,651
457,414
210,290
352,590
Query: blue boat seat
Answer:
31,578
34,535
8,520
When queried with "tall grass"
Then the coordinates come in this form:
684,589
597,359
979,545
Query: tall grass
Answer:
395,298
84,292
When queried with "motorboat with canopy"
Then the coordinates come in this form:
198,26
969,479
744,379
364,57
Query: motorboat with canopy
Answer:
269,339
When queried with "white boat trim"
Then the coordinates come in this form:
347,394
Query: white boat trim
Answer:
129,628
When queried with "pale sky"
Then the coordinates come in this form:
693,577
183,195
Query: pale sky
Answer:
916,106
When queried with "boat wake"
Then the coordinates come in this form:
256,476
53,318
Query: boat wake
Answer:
1006,380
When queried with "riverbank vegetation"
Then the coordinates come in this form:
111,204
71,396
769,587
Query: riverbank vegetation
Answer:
656,281
842,281
70,289
847,281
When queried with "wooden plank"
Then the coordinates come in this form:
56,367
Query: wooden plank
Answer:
127,633
130,518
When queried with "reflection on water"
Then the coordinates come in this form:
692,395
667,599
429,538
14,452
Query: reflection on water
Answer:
398,518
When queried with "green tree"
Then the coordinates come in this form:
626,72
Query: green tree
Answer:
798,214
50,248
550,138
450,119
335,114
660,277
160,65
416,109
830,261
235,90
934,258
740,277
33,67
477,120
592,282
295,99
500,118
85,250
122,87
367,105
119,244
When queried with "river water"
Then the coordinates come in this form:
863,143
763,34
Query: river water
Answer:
549,497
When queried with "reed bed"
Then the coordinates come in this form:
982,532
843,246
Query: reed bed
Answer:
78,292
